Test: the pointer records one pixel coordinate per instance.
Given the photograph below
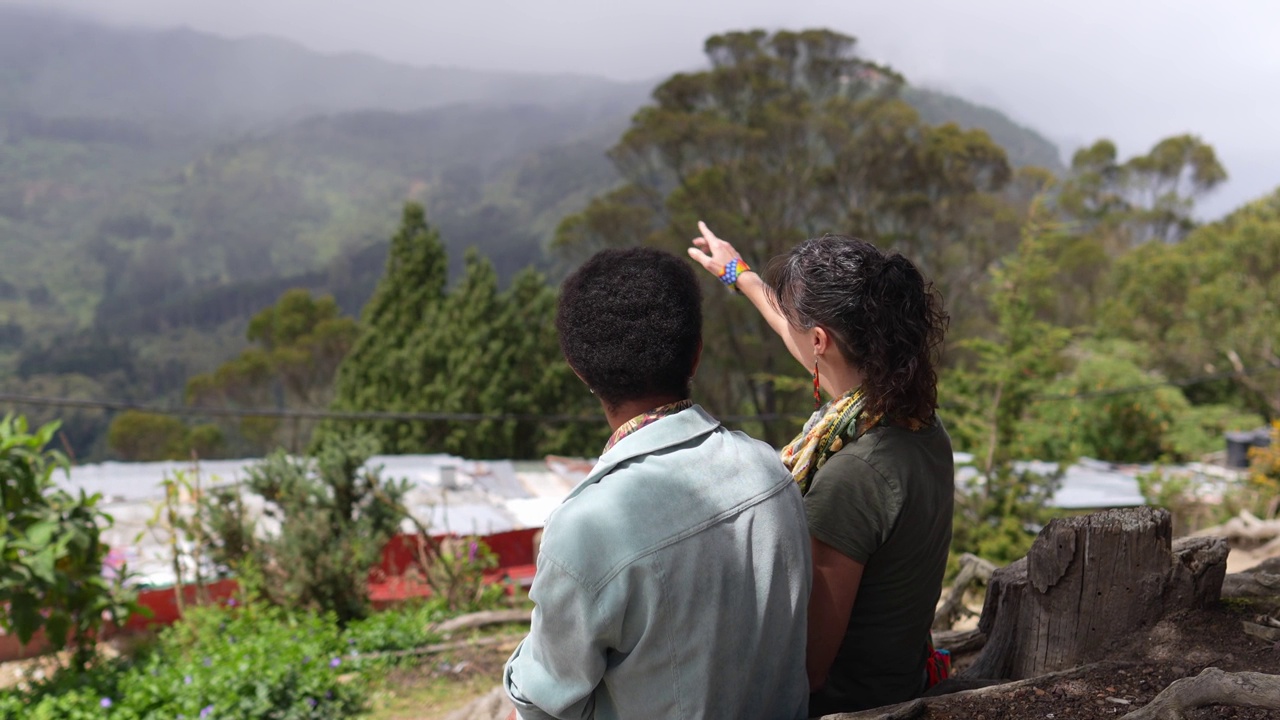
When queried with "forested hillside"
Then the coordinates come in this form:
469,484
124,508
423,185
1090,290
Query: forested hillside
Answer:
157,188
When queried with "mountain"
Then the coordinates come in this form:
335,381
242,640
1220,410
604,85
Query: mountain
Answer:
1023,145
62,66
157,187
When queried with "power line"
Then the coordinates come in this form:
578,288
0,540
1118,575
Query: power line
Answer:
196,411
1181,382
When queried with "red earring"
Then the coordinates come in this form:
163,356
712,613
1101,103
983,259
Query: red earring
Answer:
817,396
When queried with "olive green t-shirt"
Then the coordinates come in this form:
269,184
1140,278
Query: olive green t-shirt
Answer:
885,501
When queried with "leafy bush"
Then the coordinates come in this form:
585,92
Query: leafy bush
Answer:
999,519
1264,462
51,554
1201,429
224,663
401,628
334,518
1129,427
455,568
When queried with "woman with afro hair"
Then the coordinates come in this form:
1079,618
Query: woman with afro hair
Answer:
674,580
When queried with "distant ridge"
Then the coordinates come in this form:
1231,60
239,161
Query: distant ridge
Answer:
65,66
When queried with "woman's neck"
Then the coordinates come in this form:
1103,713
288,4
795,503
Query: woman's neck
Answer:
838,378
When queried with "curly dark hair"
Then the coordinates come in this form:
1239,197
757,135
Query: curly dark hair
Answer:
630,324
885,317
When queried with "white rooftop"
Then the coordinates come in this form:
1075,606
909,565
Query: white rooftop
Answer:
449,494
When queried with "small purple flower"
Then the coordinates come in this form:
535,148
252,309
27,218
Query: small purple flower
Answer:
312,702
328,695
471,552
351,641
335,662
208,662
105,702
186,680
231,602
206,711
306,659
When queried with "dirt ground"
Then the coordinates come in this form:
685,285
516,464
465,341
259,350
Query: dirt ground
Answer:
1180,646
439,688
1139,667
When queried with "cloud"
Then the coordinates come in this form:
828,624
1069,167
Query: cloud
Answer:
1134,71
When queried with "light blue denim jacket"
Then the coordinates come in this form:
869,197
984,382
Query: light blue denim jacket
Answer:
672,583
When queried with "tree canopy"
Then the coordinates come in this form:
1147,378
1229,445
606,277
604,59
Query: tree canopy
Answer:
471,349
786,136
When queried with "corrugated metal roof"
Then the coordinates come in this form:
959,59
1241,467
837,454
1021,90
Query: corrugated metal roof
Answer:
452,494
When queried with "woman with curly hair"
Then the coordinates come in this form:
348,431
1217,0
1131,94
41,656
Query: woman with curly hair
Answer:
874,462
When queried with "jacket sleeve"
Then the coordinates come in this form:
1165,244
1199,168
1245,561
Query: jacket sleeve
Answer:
555,670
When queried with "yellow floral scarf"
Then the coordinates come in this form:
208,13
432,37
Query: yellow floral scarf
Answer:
836,423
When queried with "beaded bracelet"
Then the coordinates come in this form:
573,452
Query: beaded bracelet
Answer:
732,271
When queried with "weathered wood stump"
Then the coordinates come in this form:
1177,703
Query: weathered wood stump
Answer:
1261,582
1088,581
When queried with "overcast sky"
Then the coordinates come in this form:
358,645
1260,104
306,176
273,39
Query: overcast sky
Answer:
1131,70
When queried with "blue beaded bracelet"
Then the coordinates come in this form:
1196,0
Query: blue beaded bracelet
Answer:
732,271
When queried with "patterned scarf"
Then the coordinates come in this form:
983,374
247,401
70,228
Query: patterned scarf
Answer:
836,423
648,418
833,426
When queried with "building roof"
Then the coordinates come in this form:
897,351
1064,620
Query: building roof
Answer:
450,494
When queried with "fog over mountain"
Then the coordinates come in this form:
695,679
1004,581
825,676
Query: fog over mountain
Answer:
1135,71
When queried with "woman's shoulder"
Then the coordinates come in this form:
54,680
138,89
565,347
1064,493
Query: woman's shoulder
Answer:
886,448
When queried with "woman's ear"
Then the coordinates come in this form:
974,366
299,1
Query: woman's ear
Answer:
697,359
821,341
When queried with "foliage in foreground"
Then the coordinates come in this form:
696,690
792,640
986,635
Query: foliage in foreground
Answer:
225,663
51,553
237,662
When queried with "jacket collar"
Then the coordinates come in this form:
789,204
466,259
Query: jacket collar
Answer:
669,431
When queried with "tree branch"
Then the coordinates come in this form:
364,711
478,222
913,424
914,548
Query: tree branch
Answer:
483,619
972,569
1212,687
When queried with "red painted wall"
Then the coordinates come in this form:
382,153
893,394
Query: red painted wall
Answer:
387,586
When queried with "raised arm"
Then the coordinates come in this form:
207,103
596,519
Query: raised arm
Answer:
714,254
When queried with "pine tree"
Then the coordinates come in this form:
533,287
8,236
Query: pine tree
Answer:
473,350
382,371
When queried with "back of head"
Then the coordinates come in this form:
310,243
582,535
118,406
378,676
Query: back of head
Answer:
885,317
630,324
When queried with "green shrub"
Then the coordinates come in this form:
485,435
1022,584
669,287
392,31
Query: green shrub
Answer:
400,628
225,663
51,551
1129,427
998,519
455,568
334,517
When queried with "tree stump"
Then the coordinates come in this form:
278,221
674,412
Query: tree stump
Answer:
1088,581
